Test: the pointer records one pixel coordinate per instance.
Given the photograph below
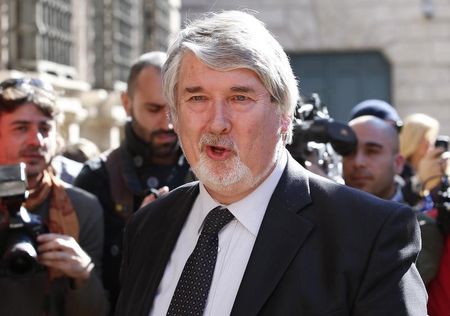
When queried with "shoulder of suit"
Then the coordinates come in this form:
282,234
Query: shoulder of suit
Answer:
323,188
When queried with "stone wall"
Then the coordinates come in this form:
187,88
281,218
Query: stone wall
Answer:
413,35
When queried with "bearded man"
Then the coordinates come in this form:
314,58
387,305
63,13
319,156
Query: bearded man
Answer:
147,163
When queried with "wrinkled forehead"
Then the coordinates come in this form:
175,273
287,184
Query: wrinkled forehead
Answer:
28,112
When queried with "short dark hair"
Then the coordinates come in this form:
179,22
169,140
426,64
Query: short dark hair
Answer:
154,59
15,92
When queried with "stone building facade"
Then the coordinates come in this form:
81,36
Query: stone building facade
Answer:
412,36
84,49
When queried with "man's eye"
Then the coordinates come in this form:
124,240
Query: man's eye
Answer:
154,109
240,98
197,98
45,130
373,151
21,128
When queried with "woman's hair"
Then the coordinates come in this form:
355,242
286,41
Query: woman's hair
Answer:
415,128
234,40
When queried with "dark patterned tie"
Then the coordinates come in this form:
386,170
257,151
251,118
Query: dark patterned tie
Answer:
193,286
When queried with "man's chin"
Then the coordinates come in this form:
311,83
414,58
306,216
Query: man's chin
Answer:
218,183
165,151
222,176
358,185
34,169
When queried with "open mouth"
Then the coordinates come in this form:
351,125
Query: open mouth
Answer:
217,149
218,152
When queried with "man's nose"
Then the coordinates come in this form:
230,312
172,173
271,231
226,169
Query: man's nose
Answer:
35,138
359,158
220,118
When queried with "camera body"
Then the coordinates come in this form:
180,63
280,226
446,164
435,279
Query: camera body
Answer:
18,228
319,139
442,142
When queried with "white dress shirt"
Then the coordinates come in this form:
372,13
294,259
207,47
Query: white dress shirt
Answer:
236,242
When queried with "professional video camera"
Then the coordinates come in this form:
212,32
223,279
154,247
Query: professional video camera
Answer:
18,228
317,138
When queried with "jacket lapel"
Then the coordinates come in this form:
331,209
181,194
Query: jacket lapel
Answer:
168,231
281,235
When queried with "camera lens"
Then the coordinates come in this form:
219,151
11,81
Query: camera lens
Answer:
20,257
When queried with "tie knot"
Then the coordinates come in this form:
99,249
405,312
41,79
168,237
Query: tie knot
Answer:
216,219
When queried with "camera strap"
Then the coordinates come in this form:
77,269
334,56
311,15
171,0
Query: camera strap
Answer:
62,216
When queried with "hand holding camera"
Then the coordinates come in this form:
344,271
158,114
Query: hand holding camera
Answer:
25,244
63,253
430,169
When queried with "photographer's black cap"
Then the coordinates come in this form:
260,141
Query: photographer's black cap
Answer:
378,108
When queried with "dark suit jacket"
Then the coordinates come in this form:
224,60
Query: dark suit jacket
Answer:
322,249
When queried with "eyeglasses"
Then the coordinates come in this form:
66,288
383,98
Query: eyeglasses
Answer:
17,91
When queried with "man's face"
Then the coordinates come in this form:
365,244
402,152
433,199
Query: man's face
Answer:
228,127
373,165
27,135
149,112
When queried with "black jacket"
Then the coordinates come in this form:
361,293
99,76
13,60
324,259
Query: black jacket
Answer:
322,249
117,178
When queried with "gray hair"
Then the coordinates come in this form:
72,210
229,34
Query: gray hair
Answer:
154,59
234,40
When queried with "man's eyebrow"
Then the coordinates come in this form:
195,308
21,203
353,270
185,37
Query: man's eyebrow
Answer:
242,89
194,89
152,104
373,144
26,122
21,122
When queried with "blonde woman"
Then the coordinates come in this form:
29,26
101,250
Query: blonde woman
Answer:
424,162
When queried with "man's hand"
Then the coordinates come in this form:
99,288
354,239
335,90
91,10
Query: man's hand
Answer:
63,253
154,195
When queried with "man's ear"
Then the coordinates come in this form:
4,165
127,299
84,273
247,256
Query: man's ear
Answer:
126,102
174,123
399,163
285,124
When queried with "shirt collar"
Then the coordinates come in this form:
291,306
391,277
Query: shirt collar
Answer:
398,196
250,210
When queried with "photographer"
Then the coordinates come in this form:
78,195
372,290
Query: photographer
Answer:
66,280
425,163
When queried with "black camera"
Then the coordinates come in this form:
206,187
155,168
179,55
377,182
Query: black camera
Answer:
317,137
18,228
442,142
